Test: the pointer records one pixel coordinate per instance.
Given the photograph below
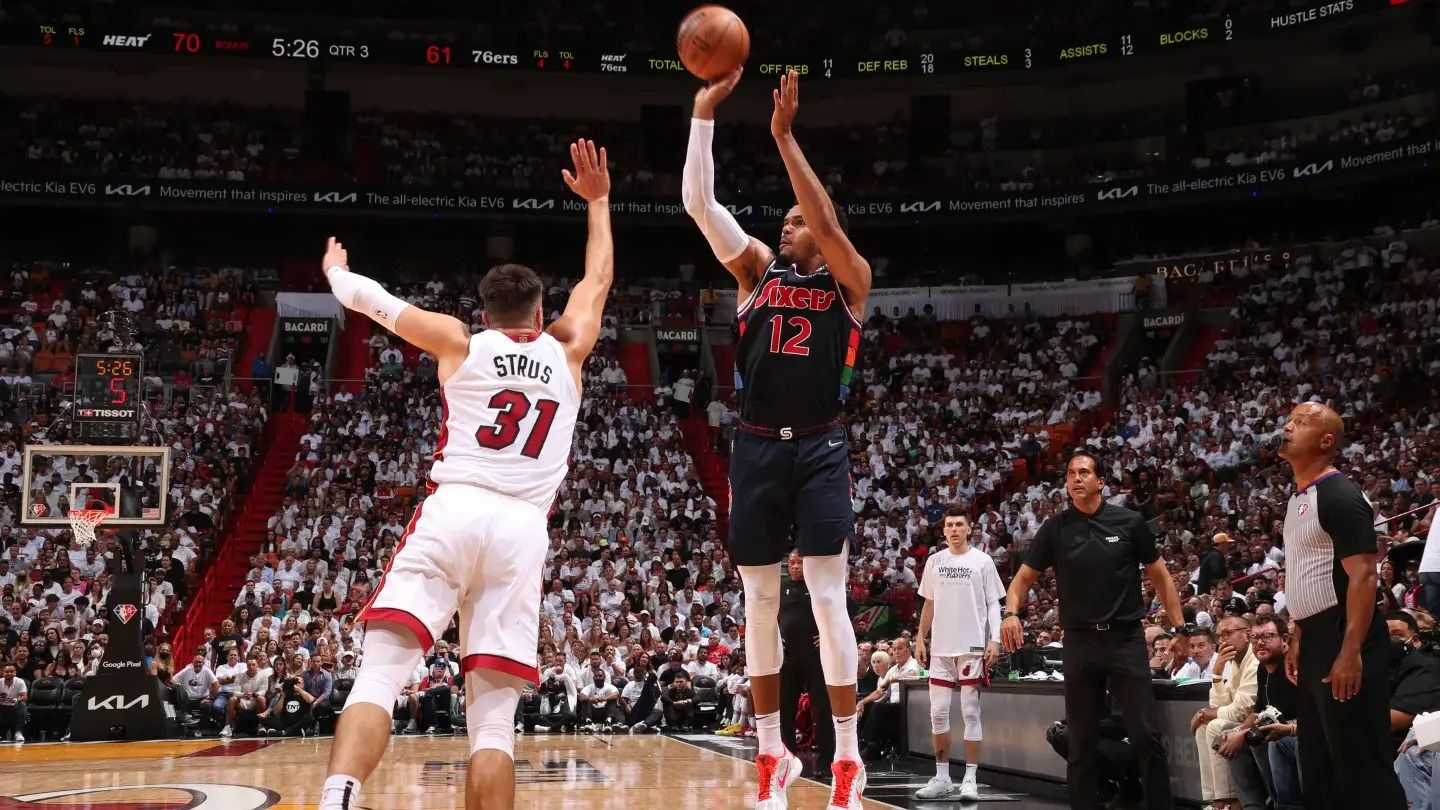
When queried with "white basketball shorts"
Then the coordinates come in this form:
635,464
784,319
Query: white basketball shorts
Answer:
479,552
958,670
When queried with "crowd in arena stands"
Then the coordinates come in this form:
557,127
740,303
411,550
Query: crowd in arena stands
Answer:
53,589
229,144
638,586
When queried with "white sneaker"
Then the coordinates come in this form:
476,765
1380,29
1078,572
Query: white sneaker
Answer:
776,774
847,786
19,738
969,791
938,788
227,732
639,728
411,728
430,730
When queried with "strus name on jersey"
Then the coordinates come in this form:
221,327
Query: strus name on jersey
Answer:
518,365
776,293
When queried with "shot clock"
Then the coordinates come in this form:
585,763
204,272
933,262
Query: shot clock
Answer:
107,388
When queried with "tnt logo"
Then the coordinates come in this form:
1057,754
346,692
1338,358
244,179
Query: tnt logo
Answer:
125,613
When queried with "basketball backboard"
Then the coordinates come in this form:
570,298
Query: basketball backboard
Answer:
130,481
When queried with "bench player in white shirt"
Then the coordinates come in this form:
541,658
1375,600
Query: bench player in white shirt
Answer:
962,593
477,544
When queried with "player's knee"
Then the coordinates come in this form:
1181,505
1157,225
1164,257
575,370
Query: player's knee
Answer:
495,733
762,590
939,709
763,654
970,711
390,658
490,701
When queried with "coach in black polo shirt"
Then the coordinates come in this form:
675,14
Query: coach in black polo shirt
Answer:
1339,651
1097,549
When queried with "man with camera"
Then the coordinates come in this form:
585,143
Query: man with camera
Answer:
1260,752
1232,694
553,702
289,714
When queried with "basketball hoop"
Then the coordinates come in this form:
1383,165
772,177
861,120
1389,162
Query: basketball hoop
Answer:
83,523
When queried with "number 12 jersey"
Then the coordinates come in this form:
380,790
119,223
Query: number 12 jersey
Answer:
797,347
509,418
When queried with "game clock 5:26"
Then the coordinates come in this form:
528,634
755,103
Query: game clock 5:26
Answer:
107,386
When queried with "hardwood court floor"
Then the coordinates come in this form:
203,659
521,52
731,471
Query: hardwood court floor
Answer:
419,773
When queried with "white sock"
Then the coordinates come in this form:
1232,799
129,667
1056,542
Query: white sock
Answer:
767,731
341,792
847,741
970,772
942,771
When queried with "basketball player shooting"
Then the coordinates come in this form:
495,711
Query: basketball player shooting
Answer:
477,544
962,593
790,465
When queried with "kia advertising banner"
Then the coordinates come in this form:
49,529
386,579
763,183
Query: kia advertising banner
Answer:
1239,183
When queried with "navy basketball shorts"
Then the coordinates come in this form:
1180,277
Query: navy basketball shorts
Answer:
789,492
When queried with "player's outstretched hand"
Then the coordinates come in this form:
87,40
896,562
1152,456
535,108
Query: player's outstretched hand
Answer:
787,101
591,180
335,256
709,97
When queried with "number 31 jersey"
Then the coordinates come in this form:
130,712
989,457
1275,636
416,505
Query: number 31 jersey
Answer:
509,418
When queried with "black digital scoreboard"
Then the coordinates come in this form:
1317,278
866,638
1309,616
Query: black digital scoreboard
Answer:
1019,53
107,388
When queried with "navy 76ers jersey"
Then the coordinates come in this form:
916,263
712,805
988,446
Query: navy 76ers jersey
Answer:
798,342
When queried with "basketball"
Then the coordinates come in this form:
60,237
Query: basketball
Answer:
712,42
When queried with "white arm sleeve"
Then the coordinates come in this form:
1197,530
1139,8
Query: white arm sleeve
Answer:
365,296
697,192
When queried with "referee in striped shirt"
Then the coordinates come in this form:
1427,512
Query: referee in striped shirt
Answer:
1338,649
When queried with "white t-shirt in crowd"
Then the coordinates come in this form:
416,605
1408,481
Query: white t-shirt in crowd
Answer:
966,590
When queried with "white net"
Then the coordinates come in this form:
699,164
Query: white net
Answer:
83,523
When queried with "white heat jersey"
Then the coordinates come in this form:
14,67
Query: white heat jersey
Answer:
509,418
966,589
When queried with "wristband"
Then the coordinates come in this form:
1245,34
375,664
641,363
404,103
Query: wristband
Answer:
1010,613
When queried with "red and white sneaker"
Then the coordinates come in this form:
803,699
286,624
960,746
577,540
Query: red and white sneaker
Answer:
848,785
776,774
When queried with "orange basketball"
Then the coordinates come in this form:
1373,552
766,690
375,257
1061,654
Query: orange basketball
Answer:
712,42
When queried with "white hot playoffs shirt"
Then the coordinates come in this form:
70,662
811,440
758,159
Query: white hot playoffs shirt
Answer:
966,590
510,414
